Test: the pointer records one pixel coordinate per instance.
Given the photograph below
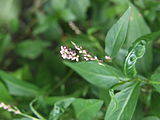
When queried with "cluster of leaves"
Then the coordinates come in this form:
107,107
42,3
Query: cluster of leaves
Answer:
32,69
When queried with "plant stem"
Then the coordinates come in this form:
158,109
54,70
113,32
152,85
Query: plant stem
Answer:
28,116
34,111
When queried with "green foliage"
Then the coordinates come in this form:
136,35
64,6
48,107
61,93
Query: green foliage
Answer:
117,34
4,94
123,102
116,76
155,79
99,75
137,51
59,108
151,118
18,87
86,109
30,49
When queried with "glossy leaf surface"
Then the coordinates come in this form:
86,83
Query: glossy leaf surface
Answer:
117,35
123,105
136,52
98,75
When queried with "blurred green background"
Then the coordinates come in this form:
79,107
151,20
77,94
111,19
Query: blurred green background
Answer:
31,33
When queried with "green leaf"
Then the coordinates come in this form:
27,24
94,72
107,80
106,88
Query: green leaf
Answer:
136,52
98,75
5,42
139,111
138,28
123,105
63,10
155,106
4,94
87,41
58,5
31,49
87,109
67,15
79,8
59,108
156,79
151,118
117,35
18,87
10,11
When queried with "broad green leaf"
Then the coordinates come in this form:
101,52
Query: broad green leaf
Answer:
87,109
31,49
98,75
18,87
151,118
117,35
123,104
59,108
4,94
136,52
138,28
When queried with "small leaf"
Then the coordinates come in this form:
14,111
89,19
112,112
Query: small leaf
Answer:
31,49
125,104
59,108
117,35
17,87
86,109
98,75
